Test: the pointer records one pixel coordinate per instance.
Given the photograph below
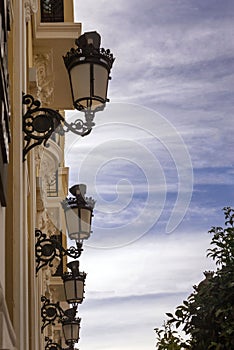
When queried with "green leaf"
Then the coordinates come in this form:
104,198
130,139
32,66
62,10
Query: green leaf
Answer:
179,313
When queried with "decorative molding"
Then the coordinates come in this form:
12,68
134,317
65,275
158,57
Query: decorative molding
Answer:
30,7
7,334
47,162
40,196
62,30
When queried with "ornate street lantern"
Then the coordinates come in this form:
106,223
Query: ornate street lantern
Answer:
89,72
78,213
71,327
74,282
89,69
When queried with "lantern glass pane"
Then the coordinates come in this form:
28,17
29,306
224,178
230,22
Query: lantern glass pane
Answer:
100,81
74,290
85,216
72,221
71,332
80,80
80,289
78,222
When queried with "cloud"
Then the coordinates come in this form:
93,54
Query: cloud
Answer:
129,290
128,152
153,265
178,61
133,319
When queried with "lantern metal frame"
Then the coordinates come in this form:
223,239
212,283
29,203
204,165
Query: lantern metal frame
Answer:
89,52
74,276
49,248
69,319
80,202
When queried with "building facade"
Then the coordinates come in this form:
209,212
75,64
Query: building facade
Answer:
34,35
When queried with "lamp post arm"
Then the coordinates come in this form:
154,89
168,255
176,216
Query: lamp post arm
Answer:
50,312
55,346
39,123
49,248
52,345
79,127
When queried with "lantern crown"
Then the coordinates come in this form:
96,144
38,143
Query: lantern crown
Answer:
75,274
88,50
79,199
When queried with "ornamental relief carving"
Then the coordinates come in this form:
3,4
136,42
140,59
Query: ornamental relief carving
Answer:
46,169
43,87
30,7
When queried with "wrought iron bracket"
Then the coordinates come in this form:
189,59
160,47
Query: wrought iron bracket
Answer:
51,345
51,312
39,123
49,248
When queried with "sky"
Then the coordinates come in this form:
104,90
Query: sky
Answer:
159,162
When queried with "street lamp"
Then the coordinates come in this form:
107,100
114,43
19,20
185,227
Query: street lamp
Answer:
78,213
74,282
89,69
71,327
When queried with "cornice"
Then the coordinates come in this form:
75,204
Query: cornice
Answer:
63,30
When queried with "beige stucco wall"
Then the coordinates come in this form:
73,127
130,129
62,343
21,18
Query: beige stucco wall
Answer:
2,247
68,11
20,289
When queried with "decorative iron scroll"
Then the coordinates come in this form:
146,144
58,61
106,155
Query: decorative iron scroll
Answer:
50,345
39,123
51,312
48,248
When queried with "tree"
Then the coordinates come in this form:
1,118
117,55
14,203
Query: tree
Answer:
168,339
207,316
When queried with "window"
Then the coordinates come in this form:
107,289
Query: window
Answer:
52,186
52,11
